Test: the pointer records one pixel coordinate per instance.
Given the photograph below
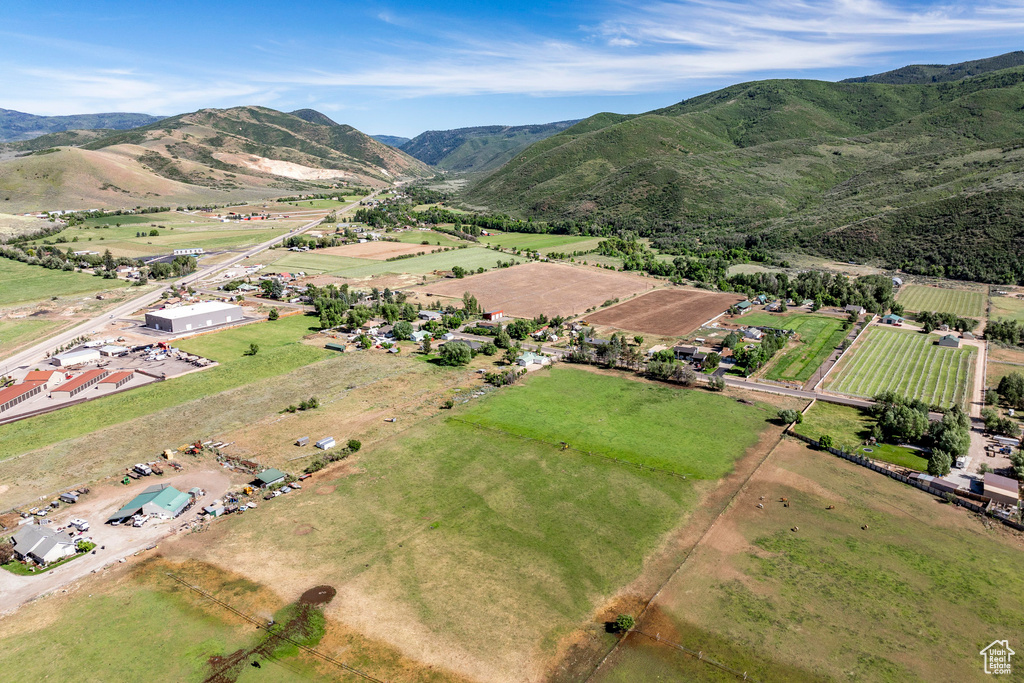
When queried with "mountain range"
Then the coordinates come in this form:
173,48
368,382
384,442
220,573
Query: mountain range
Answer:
16,125
478,149
926,176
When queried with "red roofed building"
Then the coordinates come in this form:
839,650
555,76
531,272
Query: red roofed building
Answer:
79,384
117,379
13,395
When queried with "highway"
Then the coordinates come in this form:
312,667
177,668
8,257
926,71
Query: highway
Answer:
37,353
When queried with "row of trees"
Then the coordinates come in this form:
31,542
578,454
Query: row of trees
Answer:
901,420
932,319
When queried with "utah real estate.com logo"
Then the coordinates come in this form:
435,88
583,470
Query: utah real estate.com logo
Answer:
997,657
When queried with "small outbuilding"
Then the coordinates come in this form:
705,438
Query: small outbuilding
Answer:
270,477
325,443
494,315
851,308
892,319
950,341
1002,490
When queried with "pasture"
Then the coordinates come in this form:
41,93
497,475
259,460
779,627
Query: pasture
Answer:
1007,308
819,335
474,536
966,303
430,236
890,585
23,283
470,258
665,312
541,242
909,363
850,428
280,352
15,333
534,288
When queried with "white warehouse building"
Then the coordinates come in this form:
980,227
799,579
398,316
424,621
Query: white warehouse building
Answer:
195,317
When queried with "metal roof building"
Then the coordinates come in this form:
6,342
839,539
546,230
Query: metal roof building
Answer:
77,356
162,500
195,317
79,384
1002,489
15,394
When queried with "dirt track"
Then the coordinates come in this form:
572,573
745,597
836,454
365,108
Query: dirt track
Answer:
666,312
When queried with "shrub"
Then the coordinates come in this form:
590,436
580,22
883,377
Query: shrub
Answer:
624,622
825,441
448,404
789,416
354,445
273,315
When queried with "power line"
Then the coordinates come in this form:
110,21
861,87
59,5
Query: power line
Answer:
260,624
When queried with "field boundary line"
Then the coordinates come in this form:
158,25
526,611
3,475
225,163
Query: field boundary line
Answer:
725,508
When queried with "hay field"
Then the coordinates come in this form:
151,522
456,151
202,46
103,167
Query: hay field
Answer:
474,547
20,283
549,288
666,312
966,303
819,337
378,251
470,258
1007,308
909,363
914,596
12,226
542,243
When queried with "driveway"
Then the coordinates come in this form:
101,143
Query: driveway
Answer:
120,542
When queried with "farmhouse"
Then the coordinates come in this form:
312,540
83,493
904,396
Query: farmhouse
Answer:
752,333
76,357
13,395
1001,489
160,500
950,341
892,319
75,386
850,308
685,352
742,307
530,358
197,316
593,341
42,545
430,315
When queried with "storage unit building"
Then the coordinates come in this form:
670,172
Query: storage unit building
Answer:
117,380
13,395
75,386
196,317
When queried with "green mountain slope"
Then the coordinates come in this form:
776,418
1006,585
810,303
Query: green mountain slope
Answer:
833,168
483,148
391,140
16,125
941,73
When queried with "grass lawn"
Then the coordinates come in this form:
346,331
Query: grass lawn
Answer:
850,428
1007,308
819,336
417,237
909,363
627,420
962,302
470,258
280,352
19,332
890,585
20,283
21,569
541,243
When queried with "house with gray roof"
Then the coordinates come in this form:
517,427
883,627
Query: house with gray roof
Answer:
42,545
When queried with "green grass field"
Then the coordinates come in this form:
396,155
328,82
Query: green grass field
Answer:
1007,308
850,427
962,302
417,237
21,283
890,585
470,258
909,363
279,353
17,333
542,243
819,336
627,420
176,231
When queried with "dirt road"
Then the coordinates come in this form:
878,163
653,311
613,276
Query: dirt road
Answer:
119,542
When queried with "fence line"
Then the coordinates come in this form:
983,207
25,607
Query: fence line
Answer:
697,654
872,465
856,336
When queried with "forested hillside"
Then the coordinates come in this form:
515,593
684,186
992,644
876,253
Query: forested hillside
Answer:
483,148
915,176
16,125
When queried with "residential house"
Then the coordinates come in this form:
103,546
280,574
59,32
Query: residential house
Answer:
529,358
430,315
742,307
684,353
851,308
419,335
752,333
892,319
42,545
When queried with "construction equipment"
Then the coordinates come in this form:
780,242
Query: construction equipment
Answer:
247,490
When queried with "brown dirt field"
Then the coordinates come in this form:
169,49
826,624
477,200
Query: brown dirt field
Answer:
666,312
527,290
378,251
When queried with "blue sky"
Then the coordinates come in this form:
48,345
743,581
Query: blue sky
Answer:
402,67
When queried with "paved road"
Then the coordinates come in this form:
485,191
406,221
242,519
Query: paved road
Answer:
38,352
